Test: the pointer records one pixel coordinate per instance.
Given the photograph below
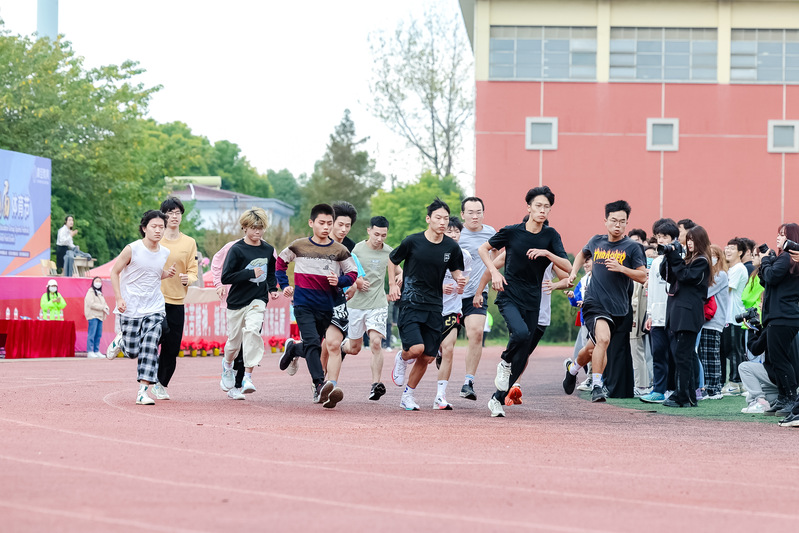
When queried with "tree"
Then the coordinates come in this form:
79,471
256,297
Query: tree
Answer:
344,173
285,188
405,206
236,171
422,85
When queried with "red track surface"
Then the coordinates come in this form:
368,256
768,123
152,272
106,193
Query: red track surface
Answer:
77,454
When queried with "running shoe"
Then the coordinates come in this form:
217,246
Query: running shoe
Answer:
442,404
235,394
378,390
115,347
467,391
247,386
287,358
160,392
142,398
716,396
732,389
324,392
335,396
514,396
398,374
642,391
757,407
790,421
598,394
653,397
502,381
586,385
408,403
495,407
228,378
571,379
317,389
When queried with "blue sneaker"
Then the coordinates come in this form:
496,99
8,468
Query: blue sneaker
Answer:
652,397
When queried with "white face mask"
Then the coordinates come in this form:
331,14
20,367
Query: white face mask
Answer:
715,259
53,288
98,285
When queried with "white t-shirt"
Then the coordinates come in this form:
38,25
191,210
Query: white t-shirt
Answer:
737,276
140,281
470,241
453,303
64,237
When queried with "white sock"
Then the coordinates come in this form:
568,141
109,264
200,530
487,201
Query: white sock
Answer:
597,380
248,375
228,365
575,368
142,388
469,379
442,388
408,391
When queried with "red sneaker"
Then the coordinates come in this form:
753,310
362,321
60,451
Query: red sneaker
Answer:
514,396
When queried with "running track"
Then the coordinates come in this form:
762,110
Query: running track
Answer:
76,454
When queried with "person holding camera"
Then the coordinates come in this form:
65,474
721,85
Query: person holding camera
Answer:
688,280
780,277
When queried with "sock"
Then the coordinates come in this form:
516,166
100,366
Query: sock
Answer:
228,365
442,388
248,375
408,390
469,379
142,388
575,368
597,379
334,382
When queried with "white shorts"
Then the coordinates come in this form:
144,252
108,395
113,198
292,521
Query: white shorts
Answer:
363,320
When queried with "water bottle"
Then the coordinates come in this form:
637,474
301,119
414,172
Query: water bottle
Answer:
16,314
8,313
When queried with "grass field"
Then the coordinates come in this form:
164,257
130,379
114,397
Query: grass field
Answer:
726,409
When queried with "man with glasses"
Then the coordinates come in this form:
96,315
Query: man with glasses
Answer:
473,235
618,261
183,255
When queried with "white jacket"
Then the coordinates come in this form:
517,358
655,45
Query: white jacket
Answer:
657,295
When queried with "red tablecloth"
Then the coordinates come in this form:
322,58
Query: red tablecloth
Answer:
38,338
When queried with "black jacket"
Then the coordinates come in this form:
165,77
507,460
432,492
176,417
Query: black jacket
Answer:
687,291
781,294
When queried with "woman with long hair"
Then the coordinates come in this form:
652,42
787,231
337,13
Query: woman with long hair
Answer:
780,277
688,280
95,309
710,336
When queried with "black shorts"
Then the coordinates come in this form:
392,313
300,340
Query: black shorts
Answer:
592,314
341,317
420,327
469,308
451,321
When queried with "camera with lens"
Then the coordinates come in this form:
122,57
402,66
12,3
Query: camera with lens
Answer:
790,246
666,248
750,317
763,248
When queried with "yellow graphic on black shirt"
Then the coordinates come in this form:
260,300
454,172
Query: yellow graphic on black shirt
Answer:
602,255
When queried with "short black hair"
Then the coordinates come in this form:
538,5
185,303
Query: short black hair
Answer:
471,199
749,243
666,226
639,232
437,204
172,203
540,191
686,223
740,244
618,205
68,217
322,209
148,216
379,222
455,222
344,209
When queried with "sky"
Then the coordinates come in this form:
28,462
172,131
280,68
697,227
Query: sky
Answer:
272,76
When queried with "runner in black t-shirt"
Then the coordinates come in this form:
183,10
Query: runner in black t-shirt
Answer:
428,256
618,261
529,250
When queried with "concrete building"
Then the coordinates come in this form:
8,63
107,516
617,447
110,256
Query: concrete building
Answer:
685,108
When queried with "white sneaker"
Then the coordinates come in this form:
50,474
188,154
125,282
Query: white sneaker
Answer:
115,347
142,398
294,365
235,394
247,386
586,384
228,378
398,374
759,406
640,391
160,392
502,381
442,404
408,403
495,407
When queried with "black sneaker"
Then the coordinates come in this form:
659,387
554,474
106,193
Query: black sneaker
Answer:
378,390
335,396
570,381
790,421
779,404
287,357
317,390
597,394
438,359
467,391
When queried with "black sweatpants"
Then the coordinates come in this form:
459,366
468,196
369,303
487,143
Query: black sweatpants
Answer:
779,352
313,325
171,337
684,356
522,326
732,350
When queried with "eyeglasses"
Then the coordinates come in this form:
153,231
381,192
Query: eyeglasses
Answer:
174,213
614,222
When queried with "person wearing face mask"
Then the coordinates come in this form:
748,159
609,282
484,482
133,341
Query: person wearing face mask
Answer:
95,309
52,303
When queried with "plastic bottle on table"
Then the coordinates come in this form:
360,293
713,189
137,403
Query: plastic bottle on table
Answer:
8,313
16,314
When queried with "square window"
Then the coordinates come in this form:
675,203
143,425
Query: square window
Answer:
783,136
541,133
662,134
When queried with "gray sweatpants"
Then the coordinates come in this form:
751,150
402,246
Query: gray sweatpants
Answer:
755,379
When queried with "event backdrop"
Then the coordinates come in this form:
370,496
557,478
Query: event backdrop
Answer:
24,213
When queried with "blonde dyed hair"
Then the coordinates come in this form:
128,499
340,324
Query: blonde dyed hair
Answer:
254,217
